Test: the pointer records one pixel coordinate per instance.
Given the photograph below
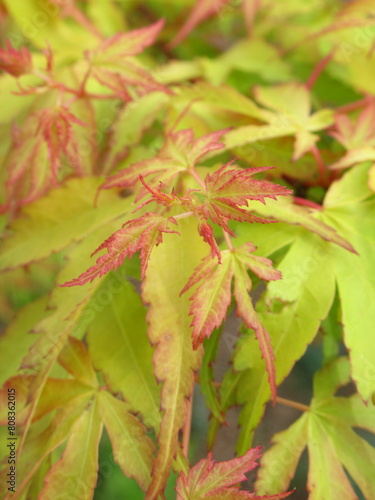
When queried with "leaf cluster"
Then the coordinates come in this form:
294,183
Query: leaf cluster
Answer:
162,166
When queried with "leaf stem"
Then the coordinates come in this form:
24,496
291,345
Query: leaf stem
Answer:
187,427
320,163
352,106
306,203
318,69
228,240
184,215
197,177
292,404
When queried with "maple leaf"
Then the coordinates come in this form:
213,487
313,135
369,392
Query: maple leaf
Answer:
211,480
207,233
137,234
212,297
326,429
168,200
33,163
174,359
290,116
225,191
113,64
26,164
55,125
15,62
234,187
357,137
179,153
228,189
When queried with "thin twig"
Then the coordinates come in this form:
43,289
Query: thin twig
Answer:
318,69
353,106
197,177
319,161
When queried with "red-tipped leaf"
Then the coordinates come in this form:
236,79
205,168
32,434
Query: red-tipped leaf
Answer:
140,234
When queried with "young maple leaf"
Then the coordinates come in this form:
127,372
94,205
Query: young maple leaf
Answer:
207,233
168,200
228,189
28,174
219,481
114,66
357,138
137,234
33,164
212,297
179,153
55,125
15,62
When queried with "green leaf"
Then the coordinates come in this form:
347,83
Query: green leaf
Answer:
120,349
76,360
74,476
64,215
107,16
58,392
286,211
290,105
39,22
222,97
66,306
18,333
253,55
168,317
332,333
39,445
132,449
354,273
11,106
332,444
132,122
303,303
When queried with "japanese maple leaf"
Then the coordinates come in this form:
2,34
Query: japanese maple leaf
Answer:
338,455
288,113
180,152
55,125
227,190
15,62
140,234
34,162
212,297
219,481
114,66
168,200
357,137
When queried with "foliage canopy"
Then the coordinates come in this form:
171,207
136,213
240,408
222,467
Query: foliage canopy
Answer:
163,164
